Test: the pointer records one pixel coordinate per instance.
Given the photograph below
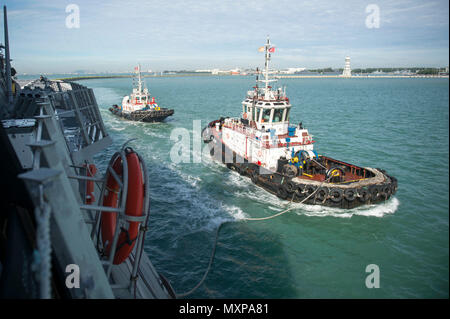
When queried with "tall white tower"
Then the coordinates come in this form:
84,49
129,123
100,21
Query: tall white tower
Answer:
347,71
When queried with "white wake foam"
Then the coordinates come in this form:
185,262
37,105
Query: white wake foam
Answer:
274,203
373,210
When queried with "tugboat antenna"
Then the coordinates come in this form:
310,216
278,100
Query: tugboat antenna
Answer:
139,78
268,50
7,60
267,66
257,80
257,76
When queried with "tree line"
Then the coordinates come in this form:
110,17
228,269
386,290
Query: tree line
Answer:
416,70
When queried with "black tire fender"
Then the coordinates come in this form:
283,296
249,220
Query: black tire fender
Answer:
386,190
363,194
289,186
336,195
350,194
300,191
282,193
322,194
255,176
374,192
394,185
309,189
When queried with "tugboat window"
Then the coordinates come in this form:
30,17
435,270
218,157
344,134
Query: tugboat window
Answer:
277,115
266,115
287,114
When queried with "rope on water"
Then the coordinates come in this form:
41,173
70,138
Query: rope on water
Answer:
211,259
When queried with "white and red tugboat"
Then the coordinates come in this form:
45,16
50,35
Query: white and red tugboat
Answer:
279,157
140,106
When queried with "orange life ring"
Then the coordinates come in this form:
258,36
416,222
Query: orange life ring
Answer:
245,116
134,207
91,171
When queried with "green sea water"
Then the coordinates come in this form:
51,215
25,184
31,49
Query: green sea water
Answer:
400,125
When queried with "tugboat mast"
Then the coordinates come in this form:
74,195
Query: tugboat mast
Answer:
266,67
267,49
139,79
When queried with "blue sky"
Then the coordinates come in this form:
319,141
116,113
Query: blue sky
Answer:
197,34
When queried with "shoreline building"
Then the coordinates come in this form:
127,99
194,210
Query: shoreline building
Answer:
347,70
292,70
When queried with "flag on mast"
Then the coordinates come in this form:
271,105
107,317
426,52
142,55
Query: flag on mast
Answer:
261,49
272,49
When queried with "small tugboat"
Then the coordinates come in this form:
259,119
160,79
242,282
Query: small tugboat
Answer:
139,106
281,158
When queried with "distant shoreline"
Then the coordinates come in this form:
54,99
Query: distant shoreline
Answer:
362,76
94,77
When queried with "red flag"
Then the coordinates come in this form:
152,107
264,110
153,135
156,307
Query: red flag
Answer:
272,49
135,68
